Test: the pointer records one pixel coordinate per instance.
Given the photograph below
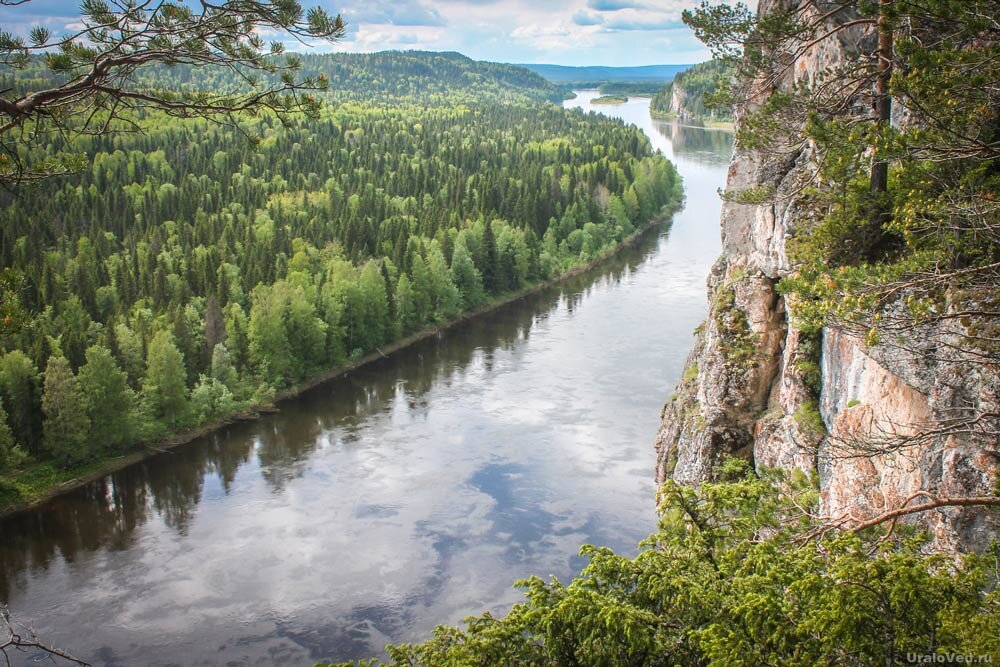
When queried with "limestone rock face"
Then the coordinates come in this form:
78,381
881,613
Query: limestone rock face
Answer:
757,388
678,101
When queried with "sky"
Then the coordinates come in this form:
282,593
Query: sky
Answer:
565,32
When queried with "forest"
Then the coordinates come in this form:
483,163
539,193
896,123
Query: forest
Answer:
254,258
698,85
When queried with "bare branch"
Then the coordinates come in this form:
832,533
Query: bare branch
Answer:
933,503
20,638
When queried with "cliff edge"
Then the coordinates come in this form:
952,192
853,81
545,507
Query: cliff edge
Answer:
758,388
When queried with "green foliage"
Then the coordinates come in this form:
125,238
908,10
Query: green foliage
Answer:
392,77
164,387
808,418
88,80
214,270
739,343
11,456
66,423
13,315
21,395
727,580
110,401
610,99
466,277
211,399
703,91
222,367
631,88
807,361
287,339
896,214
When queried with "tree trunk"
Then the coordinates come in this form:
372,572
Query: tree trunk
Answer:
873,237
883,102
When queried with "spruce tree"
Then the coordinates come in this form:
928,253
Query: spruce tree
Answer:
486,260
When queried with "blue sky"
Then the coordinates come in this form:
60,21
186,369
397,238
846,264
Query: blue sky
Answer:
565,32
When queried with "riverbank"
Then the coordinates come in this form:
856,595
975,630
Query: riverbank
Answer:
39,483
695,122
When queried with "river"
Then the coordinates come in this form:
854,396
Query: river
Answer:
410,493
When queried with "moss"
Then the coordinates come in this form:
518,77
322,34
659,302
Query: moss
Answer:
690,373
809,418
737,275
693,417
670,465
738,342
851,403
807,361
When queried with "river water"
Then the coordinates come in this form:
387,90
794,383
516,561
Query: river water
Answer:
410,493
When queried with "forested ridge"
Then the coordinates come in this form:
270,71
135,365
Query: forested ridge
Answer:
187,272
392,77
697,86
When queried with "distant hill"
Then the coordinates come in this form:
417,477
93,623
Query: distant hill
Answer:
428,76
600,74
388,77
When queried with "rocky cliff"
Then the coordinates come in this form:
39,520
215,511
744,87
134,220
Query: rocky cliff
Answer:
758,388
686,96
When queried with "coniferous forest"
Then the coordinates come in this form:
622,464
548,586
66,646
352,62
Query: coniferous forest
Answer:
256,257
178,267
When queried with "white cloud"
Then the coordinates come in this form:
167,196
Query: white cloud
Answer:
572,32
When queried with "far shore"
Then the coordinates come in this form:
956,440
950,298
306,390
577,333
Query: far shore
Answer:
60,482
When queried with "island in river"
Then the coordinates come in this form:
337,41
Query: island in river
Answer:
610,99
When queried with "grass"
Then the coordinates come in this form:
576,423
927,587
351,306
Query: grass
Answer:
690,373
39,481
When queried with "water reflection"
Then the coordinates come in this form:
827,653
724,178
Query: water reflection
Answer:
708,146
409,493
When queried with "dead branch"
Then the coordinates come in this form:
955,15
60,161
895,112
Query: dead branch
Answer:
20,638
